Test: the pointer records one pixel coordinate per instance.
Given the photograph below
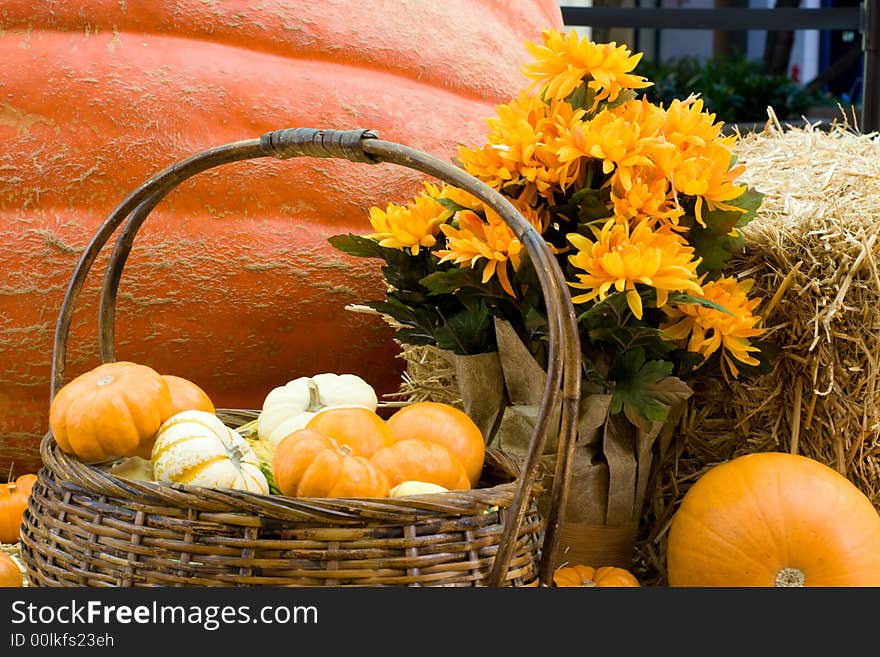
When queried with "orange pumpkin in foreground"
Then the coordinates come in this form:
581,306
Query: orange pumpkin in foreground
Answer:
774,519
588,576
10,573
111,411
308,463
127,88
356,427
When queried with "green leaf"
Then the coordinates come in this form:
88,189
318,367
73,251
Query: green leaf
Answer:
644,389
466,332
449,204
582,97
452,280
750,201
715,250
357,245
587,205
689,300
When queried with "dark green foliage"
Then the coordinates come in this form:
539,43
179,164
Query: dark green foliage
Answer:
734,88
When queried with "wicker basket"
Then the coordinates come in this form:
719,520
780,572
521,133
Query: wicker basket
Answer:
86,527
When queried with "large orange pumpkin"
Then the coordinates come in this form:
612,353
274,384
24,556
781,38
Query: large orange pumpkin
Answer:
231,281
774,519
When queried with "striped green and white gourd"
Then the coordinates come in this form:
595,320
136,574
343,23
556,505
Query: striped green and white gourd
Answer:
195,447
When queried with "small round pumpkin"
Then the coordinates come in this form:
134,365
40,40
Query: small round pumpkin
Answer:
14,498
195,447
187,396
444,424
112,411
308,463
357,427
12,506
10,573
588,576
774,519
421,460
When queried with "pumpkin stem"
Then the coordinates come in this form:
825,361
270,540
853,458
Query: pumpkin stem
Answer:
104,380
588,583
315,403
235,454
789,577
345,450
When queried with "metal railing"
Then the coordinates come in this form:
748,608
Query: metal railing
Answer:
864,19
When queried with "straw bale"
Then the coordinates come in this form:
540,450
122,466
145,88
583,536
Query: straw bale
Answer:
812,251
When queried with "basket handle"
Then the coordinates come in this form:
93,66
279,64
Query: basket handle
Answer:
564,358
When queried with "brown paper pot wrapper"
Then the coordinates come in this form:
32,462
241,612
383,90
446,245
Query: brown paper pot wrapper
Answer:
614,460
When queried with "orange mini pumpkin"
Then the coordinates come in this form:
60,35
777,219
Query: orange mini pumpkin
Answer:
774,519
421,460
13,501
308,463
588,576
111,411
444,424
357,427
10,573
187,396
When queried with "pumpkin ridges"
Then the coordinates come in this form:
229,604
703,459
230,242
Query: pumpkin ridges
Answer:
308,463
112,410
582,575
190,473
355,426
228,455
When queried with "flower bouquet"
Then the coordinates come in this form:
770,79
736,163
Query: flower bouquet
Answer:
640,204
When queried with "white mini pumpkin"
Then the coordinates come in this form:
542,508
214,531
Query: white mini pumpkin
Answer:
195,447
289,408
413,487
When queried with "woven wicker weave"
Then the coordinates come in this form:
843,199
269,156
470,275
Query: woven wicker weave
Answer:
86,527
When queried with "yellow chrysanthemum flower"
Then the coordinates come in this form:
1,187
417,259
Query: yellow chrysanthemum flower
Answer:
620,258
475,239
623,138
410,226
706,329
699,165
648,198
538,217
563,61
522,146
